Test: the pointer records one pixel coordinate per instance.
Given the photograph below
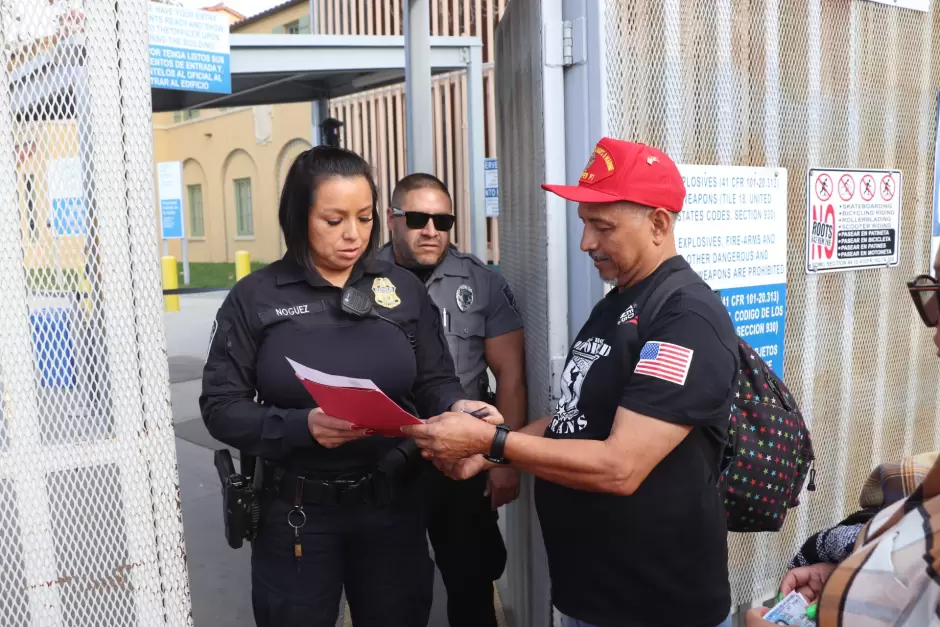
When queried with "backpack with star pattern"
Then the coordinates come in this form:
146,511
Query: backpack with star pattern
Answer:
768,453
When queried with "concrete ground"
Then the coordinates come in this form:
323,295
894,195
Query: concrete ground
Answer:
219,576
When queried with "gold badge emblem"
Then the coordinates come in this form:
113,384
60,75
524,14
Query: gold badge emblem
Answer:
385,294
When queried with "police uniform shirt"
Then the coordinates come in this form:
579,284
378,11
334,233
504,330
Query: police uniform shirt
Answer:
285,311
631,560
476,304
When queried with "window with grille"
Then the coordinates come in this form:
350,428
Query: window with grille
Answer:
197,225
300,26
243,212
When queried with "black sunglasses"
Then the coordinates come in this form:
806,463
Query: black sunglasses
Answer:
923,290
419,219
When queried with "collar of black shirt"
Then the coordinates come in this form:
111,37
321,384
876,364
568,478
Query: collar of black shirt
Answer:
289,271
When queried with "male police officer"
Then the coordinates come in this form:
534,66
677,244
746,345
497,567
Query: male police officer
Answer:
483,328
627,466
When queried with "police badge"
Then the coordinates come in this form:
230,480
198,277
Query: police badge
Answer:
464,297
385,293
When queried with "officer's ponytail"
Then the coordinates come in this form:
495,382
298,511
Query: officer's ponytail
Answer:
310,169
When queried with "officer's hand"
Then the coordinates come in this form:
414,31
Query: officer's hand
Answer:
452,436
484,411
502,486
332,432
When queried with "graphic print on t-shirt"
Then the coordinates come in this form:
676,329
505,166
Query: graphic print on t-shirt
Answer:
568,417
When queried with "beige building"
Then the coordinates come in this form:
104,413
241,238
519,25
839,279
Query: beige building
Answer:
235,160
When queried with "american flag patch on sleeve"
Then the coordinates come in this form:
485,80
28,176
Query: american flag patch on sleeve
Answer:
662,360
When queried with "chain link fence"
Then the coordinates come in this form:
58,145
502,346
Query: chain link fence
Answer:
90,515
801,84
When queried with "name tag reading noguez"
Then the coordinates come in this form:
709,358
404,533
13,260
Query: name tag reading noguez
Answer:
290,311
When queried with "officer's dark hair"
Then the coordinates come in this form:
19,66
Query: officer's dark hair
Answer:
419,180
310,169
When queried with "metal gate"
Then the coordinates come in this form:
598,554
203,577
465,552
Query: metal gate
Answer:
803,84
533,258
797,84
89,503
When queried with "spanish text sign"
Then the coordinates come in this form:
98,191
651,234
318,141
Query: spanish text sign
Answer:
853,219
189,50
733,231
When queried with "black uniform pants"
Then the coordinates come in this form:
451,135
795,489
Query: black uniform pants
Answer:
379,554
468,549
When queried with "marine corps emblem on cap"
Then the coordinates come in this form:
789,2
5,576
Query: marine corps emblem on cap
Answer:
385,294
598,169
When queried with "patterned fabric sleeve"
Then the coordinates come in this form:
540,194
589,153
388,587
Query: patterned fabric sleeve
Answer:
834,544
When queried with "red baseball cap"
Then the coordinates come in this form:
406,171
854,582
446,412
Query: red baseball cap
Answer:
625,171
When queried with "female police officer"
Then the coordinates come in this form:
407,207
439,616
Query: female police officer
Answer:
341,506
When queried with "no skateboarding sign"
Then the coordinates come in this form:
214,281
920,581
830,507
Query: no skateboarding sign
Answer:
853,219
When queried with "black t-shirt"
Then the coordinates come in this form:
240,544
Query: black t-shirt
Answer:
628,561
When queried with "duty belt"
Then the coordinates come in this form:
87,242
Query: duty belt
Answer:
393,475
341,490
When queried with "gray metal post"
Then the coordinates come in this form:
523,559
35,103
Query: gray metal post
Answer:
475,118
185,243
585,123
420,143
319,111
315,117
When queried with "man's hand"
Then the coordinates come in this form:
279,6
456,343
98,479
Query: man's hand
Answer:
332,432
755,617
463,468
452,436
807,580
502,486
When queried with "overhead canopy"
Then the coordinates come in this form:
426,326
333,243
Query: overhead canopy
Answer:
299,68
266,69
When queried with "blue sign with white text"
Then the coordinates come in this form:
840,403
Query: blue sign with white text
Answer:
189,50
758,314
171,218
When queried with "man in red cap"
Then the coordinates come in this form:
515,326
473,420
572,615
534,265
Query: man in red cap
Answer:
627,465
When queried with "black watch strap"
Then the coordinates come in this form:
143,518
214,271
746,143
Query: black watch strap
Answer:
498,448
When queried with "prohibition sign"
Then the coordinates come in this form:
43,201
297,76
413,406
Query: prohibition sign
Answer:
823,187
868,187
846,187
887,187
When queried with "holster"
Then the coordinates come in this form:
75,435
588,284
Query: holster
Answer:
241,509
397,472
486,395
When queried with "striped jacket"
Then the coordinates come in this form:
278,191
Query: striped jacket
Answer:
892,578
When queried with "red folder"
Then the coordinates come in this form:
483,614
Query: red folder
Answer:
357,401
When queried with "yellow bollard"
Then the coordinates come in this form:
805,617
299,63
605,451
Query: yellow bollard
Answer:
242,264
171,281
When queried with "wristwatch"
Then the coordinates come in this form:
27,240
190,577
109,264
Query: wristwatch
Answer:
498,448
